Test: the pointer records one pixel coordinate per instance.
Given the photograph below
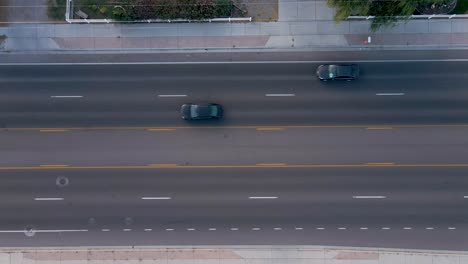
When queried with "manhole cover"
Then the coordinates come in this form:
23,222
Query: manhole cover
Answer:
62,181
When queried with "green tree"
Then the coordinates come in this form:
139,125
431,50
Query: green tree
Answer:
386,12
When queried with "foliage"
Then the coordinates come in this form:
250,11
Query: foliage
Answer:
386,12
142,9
128,10
462,7
57,9
224,8
167,9
193,9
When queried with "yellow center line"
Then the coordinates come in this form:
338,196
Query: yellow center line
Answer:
53,130
269,128
378,128
271,164
380,163
161,165
264,165
161,129
368,126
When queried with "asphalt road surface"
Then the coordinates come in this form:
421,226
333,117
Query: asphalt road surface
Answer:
98,155
252,94
375,206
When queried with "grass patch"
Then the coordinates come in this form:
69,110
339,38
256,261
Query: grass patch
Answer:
461,8
57,9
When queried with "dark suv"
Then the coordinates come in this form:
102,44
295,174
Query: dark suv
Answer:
201,111
328,72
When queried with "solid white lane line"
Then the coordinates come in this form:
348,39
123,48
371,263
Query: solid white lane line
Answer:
279,95
49,199
148,229
369,197
224,62
169,229
385,228
66,96
172,95
263,197
212,229
389,94
156,198
105,230
45,231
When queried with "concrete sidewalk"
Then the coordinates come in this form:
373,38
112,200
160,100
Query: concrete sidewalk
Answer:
230,255
302,24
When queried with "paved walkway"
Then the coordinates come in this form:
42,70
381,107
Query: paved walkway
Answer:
230,255
302,24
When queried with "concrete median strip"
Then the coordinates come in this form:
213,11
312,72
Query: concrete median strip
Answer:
229,254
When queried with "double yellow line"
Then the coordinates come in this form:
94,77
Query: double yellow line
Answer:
259,128
259,165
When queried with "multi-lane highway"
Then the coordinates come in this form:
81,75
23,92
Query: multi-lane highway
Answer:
252,94
98,155
369,206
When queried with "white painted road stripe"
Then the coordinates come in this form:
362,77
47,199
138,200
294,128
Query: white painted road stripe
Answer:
44,231
299,228
169,229
172,95
369,197
389,94
263,197
341,228
156,198
49,199
451,228
148,229
466,196
386,228
66,96
212,229
105,230
222,62
280,95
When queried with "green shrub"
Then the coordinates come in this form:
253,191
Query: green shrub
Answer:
223,8
103,10
57,9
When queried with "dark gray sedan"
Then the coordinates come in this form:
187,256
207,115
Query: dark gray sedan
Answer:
201,111
328,72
